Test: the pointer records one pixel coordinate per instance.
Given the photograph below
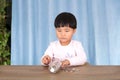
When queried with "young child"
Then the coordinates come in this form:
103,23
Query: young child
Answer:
70,52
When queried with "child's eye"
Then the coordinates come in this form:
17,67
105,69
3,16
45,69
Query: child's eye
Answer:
67,31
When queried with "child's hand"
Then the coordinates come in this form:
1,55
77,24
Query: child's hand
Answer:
46,60
65,63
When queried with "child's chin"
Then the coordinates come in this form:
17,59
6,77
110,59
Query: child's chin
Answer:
63,41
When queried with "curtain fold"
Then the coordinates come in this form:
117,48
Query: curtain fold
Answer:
33,29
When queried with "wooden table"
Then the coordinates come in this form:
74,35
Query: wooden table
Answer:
73,73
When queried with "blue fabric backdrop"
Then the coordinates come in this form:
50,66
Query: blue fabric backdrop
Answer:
98,29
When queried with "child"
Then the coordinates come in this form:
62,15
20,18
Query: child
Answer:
70,52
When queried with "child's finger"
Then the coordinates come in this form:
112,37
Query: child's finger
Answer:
65,63
48,58
44,60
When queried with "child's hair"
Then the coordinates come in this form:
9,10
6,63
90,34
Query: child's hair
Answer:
65,19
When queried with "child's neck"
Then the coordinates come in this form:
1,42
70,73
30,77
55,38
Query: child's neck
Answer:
65,43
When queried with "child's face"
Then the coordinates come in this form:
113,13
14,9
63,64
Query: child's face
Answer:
65,34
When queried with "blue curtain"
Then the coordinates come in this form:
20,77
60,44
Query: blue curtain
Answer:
98,29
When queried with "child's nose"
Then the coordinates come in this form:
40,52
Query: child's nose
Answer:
63,33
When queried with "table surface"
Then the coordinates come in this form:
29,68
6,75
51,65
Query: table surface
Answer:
72,73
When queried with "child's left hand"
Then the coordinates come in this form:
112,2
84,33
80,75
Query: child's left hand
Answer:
65,63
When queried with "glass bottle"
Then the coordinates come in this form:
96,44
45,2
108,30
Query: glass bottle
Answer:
54,65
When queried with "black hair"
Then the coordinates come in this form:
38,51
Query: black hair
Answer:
65,19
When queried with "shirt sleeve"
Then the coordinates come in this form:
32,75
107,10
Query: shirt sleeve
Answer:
80,55
49,52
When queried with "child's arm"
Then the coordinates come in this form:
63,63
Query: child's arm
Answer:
74,61
46,58
80,55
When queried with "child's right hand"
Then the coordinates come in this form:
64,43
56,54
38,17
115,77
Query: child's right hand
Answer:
46,60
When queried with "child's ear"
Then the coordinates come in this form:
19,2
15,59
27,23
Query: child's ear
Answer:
74,30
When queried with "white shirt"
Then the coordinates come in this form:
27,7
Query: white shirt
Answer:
74,52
